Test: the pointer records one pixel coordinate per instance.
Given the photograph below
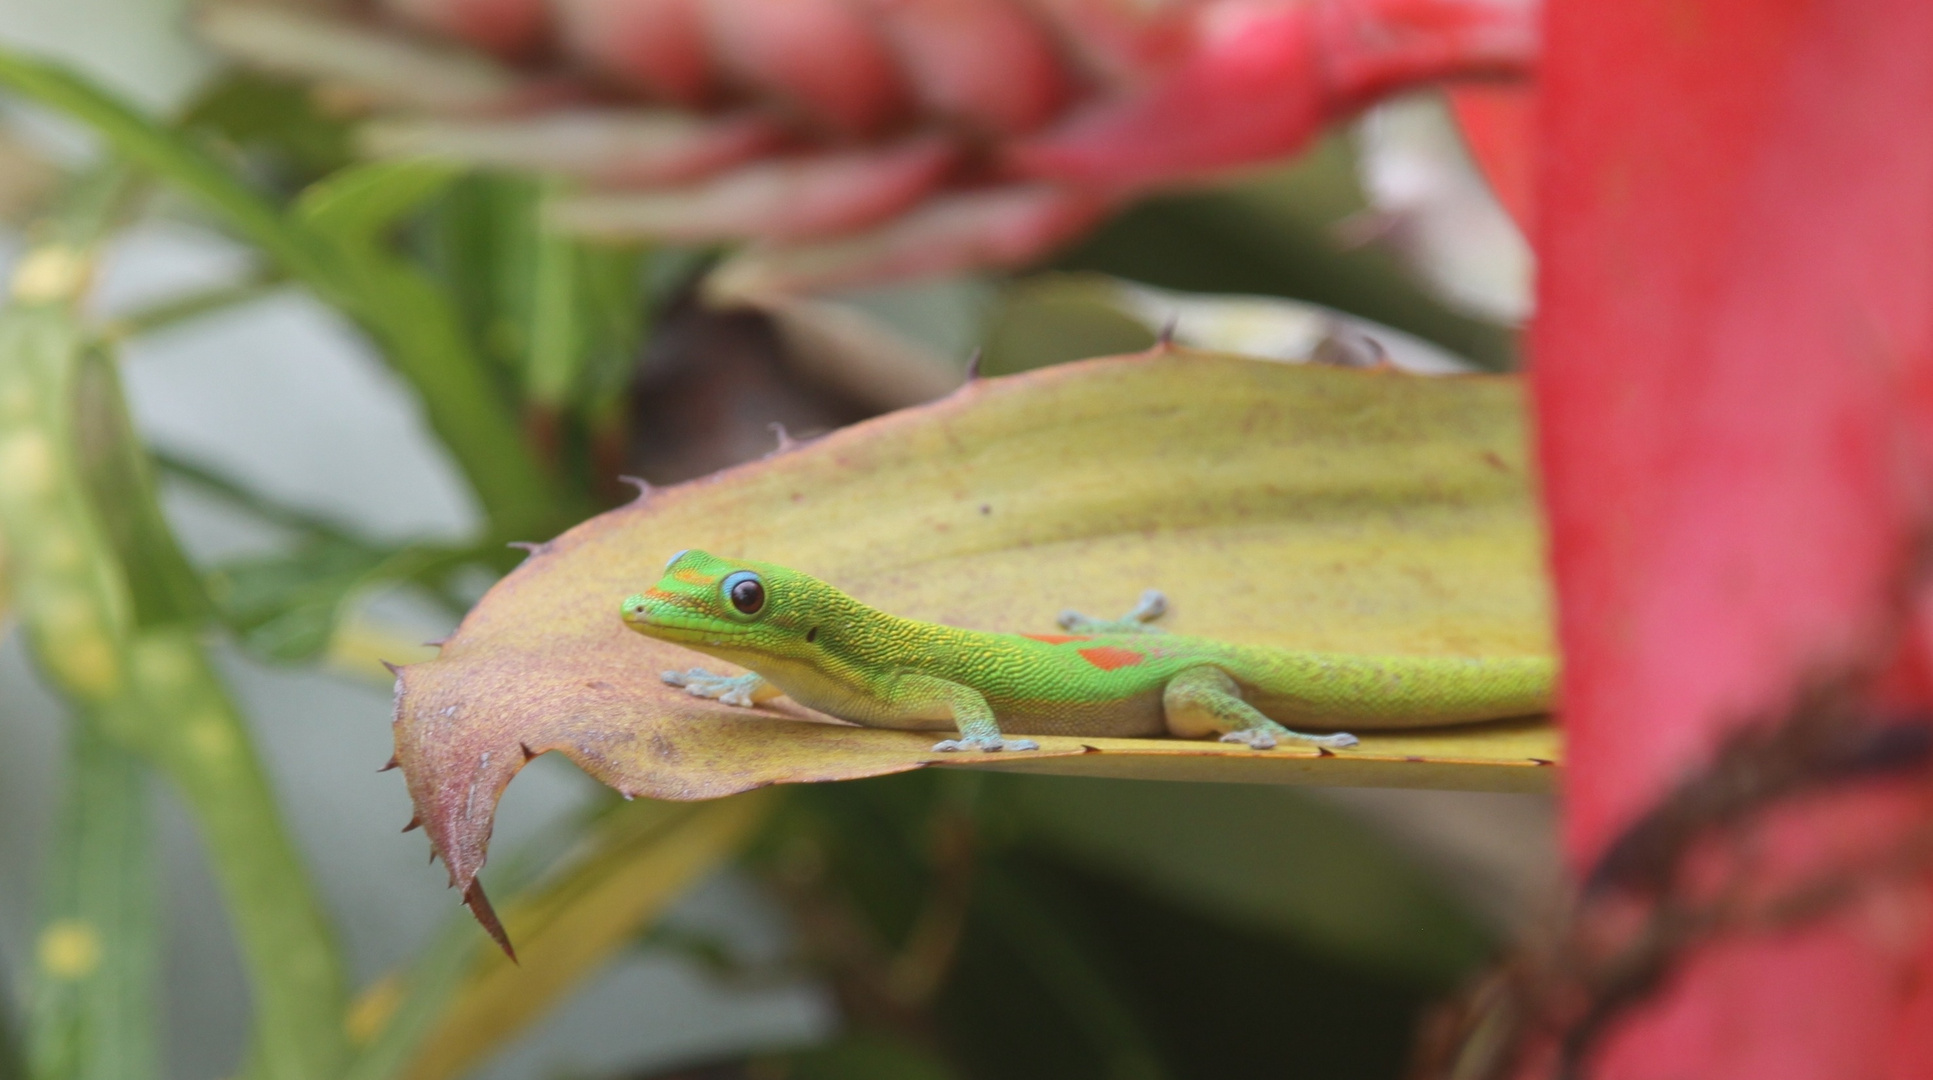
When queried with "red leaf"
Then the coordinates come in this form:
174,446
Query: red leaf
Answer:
1732,359
1498,126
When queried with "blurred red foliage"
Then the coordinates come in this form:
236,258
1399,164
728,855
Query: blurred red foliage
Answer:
1733,366
860,140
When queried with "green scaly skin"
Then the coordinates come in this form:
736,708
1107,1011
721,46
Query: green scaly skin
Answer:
1119,678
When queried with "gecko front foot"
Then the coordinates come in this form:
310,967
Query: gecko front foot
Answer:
730,689
1153,605
991,745
1264,739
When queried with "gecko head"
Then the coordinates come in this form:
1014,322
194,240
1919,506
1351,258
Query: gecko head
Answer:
703,599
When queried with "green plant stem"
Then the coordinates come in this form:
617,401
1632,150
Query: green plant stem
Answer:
170,313
180,715
98,951
240,496
147,680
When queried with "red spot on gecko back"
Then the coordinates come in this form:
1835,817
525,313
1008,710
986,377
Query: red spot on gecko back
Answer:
1056,639
1107,657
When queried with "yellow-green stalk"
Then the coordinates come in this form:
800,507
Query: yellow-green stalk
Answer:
143,681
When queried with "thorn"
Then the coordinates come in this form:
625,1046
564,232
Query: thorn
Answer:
436,644
415,822
1323,751
528,752
393,669
1167,339
973,364
525,546
786,441
479,905
393,763
644,486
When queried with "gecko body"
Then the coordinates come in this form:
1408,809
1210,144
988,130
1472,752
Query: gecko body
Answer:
1103,678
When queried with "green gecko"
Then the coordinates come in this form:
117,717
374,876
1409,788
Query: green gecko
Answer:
1105,677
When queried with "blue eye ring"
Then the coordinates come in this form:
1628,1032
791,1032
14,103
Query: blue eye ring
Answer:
675,556
744,591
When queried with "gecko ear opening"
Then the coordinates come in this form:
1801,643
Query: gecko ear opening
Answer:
745,592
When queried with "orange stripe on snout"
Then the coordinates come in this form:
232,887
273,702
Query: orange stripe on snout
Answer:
1107,657
1056,639
693,577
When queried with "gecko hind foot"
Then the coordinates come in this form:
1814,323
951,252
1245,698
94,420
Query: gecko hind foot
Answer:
1263,739
1153,605
983,746
730,689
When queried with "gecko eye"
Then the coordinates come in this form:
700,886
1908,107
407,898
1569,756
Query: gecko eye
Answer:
745,591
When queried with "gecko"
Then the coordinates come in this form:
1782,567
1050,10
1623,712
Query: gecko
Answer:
803,638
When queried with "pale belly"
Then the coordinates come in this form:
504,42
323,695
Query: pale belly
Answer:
1133,717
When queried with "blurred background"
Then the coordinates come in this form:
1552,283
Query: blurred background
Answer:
1070,927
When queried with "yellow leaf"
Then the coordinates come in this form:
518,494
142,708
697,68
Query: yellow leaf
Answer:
643,858
1305,507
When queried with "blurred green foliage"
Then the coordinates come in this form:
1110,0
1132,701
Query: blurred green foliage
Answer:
1094,928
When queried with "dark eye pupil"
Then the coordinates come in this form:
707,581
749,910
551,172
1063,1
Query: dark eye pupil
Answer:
748,596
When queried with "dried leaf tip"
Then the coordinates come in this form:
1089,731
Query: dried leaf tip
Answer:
644,486
479,906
